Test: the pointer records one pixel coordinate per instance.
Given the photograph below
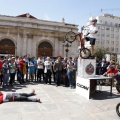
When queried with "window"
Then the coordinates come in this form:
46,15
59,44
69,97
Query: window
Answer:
107,35
107,28
112,42
116,49
117,36
105,22
107,49
102,35
7,42
117,30
107,41
112,29
116,43
112,49
102,41
116,25
103,28
112,36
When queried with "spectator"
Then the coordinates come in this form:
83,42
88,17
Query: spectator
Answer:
31,68
47,70
98,66
58,66
21,65
5,72
70,67
12,67
65,78
40,69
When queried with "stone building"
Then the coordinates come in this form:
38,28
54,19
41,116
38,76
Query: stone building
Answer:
25,34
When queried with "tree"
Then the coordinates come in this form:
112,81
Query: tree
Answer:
100,52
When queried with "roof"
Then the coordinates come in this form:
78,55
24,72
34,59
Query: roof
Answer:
27,15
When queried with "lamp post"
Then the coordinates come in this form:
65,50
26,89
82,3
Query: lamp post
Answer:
66,45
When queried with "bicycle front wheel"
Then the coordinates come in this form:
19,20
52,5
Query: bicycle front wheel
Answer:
70,36
85,53
118,109
118,87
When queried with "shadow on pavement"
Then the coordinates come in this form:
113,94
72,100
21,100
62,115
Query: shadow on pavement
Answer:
17,86
102,95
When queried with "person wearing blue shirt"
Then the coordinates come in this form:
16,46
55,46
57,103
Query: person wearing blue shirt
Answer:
31,68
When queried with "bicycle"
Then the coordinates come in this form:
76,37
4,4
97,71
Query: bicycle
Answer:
118,89
84,52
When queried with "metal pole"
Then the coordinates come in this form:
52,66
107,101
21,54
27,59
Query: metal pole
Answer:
66,54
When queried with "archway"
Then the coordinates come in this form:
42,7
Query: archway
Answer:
7,46
45,49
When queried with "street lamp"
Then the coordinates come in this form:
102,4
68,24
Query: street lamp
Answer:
66,45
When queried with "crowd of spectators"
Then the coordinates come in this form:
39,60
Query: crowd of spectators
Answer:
46,70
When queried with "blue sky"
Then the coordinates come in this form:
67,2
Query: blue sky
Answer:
73,11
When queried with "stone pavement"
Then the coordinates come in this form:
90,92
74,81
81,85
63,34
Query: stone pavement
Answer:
60,103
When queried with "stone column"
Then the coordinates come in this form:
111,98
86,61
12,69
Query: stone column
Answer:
25,43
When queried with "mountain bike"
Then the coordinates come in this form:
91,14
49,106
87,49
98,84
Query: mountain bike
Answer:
84,52
118,109
118,89
117,84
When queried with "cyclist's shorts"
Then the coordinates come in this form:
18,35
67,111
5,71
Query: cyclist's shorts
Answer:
92,40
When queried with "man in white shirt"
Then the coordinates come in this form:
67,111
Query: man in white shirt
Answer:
91,36
40,68
48,70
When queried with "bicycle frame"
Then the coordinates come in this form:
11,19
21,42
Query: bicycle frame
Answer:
83,52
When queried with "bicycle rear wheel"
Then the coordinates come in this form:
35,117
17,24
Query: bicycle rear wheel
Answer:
85,53
70,36
118,109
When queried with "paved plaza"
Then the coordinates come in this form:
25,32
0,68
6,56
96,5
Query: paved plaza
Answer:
60,103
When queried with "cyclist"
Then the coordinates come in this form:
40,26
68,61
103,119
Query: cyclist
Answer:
91,35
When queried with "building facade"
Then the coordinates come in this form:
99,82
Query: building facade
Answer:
25,34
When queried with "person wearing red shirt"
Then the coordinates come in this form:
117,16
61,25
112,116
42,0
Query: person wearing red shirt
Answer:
20,70
11,97
112,72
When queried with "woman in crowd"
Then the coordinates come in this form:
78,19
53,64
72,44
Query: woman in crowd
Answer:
12,68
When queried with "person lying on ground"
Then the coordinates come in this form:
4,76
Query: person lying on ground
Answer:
11,97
